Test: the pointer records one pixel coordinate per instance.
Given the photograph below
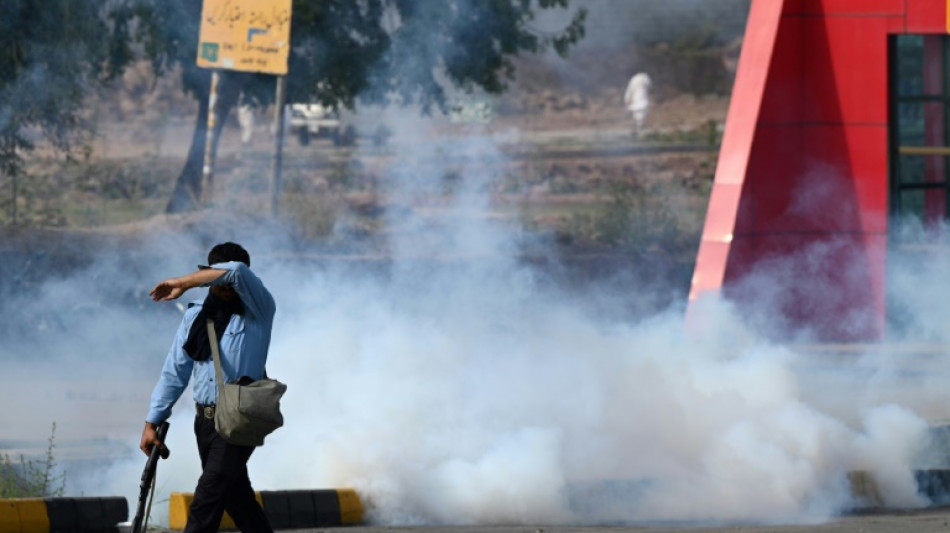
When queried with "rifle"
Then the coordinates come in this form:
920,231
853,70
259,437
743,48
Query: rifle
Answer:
148,476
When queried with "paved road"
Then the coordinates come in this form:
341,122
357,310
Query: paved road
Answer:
927,521
931,521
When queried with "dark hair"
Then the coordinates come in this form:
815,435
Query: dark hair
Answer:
228,251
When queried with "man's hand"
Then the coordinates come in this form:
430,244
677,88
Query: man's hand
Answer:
170,289
173,288
150,439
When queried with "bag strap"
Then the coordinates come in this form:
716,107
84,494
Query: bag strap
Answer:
218,373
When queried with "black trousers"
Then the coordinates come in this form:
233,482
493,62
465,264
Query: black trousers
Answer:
223,485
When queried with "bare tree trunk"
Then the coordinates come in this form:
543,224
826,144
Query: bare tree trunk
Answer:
187,193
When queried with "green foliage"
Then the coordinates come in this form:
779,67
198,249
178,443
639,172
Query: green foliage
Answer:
51,53
167,34
375,51
32,479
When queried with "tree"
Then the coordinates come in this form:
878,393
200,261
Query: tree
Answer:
348,50
51,53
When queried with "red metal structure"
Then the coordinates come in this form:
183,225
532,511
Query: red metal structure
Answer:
805,183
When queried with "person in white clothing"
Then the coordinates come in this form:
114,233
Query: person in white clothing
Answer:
637,98
245,115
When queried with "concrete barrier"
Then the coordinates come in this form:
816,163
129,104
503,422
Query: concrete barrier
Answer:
932,483
935,485
301,509
46,515
285,509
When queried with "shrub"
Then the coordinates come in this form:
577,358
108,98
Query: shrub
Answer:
32,479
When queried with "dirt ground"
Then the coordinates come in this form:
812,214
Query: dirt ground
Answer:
570,173
559,156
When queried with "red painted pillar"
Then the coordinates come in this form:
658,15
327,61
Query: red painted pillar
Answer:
796,229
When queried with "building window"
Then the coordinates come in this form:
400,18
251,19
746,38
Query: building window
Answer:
919,147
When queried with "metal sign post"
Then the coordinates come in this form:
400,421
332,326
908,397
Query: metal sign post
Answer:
207,170
275,185
249,36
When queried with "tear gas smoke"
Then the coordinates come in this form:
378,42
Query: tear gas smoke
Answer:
461,386
458,387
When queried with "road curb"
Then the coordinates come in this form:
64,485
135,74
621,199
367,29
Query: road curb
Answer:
285,509
45,515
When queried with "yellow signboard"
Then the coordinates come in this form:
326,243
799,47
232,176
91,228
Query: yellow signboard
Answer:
246,35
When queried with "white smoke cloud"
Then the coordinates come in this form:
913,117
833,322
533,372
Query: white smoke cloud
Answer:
460,387
457,385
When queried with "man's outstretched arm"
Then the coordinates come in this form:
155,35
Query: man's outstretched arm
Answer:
172,288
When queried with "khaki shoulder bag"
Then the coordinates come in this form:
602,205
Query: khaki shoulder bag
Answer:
245,414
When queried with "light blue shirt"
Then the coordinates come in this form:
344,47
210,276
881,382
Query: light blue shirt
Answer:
243,345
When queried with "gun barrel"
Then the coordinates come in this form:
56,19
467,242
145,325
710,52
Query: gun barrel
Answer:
147,475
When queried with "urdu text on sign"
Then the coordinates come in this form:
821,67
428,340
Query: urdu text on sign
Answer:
245,35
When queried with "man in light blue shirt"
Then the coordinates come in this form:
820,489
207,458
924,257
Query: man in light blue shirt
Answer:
243,313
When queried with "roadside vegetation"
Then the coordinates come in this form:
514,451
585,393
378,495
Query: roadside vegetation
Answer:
609,207
32,478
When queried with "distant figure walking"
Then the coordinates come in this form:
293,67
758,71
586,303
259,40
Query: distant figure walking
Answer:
637,98
246,121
